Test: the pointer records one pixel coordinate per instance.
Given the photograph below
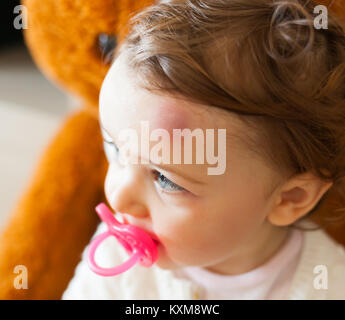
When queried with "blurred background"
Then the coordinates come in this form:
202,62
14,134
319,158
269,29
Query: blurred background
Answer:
31,109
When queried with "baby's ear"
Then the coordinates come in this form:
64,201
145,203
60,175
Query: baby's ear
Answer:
295,198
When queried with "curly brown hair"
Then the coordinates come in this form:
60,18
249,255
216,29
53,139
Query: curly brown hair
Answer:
292,76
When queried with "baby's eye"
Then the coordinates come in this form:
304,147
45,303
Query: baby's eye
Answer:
166,184
111,150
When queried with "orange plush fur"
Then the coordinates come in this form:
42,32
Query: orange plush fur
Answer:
54,219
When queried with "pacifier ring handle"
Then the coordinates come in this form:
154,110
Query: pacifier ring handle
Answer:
108,272
138,244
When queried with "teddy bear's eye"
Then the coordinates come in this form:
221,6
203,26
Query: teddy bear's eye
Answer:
106,44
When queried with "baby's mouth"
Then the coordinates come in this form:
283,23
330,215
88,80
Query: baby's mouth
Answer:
152,236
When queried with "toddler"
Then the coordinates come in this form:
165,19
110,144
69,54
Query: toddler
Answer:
259,70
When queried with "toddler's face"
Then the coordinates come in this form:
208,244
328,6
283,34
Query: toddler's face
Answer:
200,219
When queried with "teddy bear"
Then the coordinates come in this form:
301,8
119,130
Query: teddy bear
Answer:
54,219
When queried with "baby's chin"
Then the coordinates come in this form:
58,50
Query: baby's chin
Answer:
164,262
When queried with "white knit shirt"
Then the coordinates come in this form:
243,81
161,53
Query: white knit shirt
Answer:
317,249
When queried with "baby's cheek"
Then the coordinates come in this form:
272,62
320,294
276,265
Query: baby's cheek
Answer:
244,208
177,235
227,227
242,225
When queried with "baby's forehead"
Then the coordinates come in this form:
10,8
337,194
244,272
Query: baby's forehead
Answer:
175,114
170,113
166,111
190,116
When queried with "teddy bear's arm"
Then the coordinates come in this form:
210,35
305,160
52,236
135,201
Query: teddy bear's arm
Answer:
55,218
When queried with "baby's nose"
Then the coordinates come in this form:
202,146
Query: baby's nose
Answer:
127,198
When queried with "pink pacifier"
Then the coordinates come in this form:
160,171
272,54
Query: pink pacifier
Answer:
138,244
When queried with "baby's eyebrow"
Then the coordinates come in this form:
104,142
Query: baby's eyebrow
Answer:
165,167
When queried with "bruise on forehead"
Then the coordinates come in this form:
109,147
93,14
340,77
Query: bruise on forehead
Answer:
169,117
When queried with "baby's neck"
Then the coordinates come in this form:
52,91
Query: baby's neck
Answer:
253,254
